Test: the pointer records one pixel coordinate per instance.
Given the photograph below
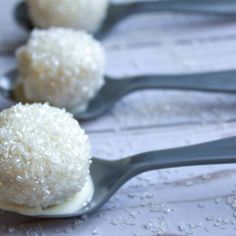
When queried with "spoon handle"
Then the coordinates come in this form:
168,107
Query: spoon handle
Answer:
118,12
224,81
216,152
224,7
114,89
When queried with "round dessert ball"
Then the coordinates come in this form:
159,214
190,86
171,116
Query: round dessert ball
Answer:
61,66
44,156
78,14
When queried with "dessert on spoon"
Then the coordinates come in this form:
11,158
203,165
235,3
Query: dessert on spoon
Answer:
61,66
46,168
100,16
45,160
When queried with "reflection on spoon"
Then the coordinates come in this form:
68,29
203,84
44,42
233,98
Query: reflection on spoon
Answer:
117,12
115,89
78,201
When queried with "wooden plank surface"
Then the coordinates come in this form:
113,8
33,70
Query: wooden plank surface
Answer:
184,201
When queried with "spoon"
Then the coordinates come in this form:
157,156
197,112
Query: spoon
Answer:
109,176
114,89
117,12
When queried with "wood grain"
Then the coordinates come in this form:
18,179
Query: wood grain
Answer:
185,201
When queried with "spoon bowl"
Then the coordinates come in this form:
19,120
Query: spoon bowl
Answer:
115,89
109,176
118,12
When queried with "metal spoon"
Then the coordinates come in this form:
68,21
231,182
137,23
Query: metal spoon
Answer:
114,89
118,12
109,176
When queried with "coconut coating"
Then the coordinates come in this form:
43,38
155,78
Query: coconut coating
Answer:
44,156
78,14
61,66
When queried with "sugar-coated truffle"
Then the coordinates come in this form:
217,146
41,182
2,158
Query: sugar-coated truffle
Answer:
44,156
78,14
63,67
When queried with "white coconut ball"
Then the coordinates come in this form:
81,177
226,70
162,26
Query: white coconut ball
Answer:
44,156
78,14
61,66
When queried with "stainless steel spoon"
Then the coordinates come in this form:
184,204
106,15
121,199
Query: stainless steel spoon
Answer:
118,12
109,176
114,89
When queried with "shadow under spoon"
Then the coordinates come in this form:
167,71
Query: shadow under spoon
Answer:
117,12
115,89
109,176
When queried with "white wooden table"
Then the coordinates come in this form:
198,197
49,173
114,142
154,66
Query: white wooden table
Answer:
185,201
